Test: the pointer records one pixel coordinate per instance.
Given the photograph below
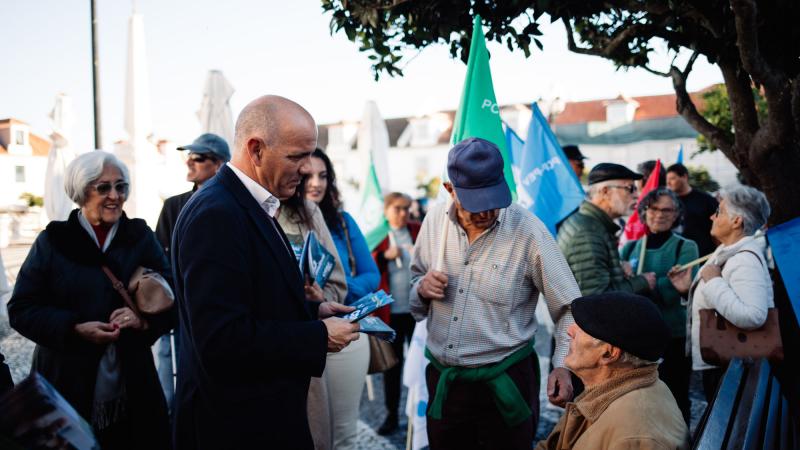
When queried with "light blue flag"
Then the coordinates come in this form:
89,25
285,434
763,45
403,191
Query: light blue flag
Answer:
546,184
680,155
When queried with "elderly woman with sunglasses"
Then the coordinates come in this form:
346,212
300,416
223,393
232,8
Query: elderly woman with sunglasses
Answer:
89,345
660,211
735,281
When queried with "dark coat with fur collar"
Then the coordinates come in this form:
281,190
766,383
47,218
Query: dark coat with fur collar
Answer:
60,285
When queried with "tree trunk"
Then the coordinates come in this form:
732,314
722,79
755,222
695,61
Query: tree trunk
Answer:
777,177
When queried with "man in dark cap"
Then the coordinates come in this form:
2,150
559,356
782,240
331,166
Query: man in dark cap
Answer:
206,155
575,158
588,237
480,305
617,342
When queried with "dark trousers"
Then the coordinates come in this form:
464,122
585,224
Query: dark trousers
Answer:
676,371
470,419
711,379
403,324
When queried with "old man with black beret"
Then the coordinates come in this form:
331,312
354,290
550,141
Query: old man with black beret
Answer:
617,342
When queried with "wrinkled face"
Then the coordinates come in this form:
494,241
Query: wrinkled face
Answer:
677,183
105,197
283,164
722,225
661,215
472,222
585,352
317,181
397,213
622,196
202,167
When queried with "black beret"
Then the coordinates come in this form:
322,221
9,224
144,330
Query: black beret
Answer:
628,321
611,171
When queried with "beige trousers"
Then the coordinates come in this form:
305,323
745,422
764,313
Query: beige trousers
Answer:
345,373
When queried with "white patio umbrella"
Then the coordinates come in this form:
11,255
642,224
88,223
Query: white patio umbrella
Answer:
373,140
56,203
215,110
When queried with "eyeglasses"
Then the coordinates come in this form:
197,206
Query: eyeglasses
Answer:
105,188
631,188
200,158
661,210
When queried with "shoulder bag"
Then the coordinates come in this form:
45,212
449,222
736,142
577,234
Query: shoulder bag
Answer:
721,341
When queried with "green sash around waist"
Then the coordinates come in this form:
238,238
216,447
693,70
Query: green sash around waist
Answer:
509,401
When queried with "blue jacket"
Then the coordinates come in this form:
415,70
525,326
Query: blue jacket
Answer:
367,276
249,343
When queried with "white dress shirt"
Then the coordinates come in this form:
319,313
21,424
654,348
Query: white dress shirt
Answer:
268,202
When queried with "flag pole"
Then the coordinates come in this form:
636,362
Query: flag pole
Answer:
642,252
443,238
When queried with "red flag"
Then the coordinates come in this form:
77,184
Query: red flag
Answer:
634,229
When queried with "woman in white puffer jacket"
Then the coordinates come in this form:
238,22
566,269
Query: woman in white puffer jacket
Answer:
735,281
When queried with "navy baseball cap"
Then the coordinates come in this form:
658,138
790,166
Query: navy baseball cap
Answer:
210,144
475,168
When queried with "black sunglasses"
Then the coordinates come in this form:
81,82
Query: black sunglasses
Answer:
199,158
105,188
631,188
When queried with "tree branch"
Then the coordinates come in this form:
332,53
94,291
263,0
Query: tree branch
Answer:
747,40
740,96
780,128
688,111
609,49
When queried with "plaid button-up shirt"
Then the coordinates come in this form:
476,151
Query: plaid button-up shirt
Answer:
493,285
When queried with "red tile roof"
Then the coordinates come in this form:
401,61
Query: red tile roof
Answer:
650,107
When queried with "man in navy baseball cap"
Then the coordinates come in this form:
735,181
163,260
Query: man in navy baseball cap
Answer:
475,168
479,266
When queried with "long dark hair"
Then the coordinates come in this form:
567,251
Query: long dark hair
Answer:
331,201
295,207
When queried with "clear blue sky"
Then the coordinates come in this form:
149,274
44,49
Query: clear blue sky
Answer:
261,46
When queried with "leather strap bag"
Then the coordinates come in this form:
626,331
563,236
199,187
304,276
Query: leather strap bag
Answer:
381,356
150,290
721,341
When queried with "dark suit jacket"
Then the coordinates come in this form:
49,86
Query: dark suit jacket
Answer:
249,342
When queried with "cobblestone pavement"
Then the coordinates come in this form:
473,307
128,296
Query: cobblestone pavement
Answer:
18,352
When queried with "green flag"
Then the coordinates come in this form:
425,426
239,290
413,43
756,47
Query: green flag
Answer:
479,114
371,219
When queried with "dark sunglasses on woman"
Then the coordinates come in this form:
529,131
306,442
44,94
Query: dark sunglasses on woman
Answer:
105,188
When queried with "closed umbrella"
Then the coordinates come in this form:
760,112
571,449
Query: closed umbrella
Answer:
56,203
215,110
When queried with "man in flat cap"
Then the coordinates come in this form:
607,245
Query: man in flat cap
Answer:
206,155
575,158
588,237
617,342
480,304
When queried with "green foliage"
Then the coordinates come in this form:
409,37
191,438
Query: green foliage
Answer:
431,186
624,31
701,179
31,199
717,110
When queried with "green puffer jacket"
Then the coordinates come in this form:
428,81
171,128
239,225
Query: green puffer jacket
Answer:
587,239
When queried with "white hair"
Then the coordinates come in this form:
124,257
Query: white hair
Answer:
87,168
626,358
748,203
595,189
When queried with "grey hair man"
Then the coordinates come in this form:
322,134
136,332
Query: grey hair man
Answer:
617,342
480,306
588,237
